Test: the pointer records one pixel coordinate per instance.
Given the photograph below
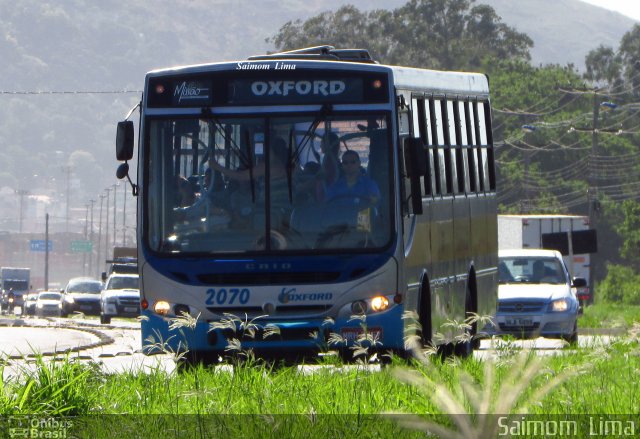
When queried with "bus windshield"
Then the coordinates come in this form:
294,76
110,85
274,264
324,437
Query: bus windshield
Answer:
268,183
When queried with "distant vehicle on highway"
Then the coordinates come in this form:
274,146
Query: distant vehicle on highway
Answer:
120,297
536,296
49,303
81,294
29,305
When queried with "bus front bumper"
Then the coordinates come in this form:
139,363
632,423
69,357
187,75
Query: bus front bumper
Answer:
381,331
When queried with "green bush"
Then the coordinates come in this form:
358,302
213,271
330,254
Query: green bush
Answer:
622,285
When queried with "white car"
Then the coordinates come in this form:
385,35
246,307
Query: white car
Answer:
120,297
536,296
49,303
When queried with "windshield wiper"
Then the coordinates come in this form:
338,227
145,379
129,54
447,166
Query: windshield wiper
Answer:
294,155
245,159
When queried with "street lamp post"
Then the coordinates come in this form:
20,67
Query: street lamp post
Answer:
124,215
99,237
115,187
21,193
106,229
90,269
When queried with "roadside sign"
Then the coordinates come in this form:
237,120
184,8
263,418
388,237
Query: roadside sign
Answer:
81,247
38,245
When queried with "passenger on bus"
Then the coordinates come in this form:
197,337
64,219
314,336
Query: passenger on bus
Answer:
244,202
329,164
186,193
353,186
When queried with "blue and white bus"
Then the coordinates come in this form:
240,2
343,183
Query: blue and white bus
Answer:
317,196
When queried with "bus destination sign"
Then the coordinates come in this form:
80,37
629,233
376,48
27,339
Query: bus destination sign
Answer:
294,91
266,87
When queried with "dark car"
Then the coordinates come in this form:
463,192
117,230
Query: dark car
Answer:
82,294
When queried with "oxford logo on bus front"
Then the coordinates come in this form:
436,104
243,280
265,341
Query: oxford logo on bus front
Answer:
190,90
302,88
291,295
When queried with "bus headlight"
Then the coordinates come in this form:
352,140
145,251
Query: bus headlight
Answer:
379,303
162,307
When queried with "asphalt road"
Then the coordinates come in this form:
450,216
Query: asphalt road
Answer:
116,347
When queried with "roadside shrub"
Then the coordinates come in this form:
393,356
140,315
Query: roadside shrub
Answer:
622,285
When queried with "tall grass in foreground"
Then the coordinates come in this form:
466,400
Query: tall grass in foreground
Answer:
447,398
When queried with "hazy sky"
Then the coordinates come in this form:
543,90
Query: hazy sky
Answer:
630,8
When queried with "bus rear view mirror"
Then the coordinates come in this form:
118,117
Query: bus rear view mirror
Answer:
415,157
415,162
124,141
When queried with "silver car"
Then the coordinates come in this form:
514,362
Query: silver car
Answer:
536,296
120,297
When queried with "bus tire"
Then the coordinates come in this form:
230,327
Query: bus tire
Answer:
424,319
465,348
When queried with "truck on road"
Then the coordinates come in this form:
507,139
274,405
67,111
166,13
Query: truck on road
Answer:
14,283
569,234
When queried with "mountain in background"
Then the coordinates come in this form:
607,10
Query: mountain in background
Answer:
70,70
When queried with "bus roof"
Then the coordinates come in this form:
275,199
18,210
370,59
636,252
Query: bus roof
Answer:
406,78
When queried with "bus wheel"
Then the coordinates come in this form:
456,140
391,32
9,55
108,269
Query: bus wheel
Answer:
424,320
465,347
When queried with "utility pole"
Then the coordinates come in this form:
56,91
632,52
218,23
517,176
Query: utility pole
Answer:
21,193
106,229
99,238
592,181
124,215
67,171
115,205
90,270
46,252
84,254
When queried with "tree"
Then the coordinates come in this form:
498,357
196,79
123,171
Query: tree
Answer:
443,34
618,70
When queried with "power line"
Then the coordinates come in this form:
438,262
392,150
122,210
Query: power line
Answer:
65,92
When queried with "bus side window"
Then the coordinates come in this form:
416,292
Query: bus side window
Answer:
441,170
478,145
471,153
449,139
490,156
433,148
484,161
461,150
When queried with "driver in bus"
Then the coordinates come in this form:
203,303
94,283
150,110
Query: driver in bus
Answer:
353,185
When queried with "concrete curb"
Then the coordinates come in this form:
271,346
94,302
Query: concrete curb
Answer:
103,339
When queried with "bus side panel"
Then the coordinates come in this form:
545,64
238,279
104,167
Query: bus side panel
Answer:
442,251
485,232
463,255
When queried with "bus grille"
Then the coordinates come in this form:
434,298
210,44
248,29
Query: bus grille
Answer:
267,278
280,311
286,334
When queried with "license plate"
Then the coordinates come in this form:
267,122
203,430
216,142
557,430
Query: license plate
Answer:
518,322
130,309
352,334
